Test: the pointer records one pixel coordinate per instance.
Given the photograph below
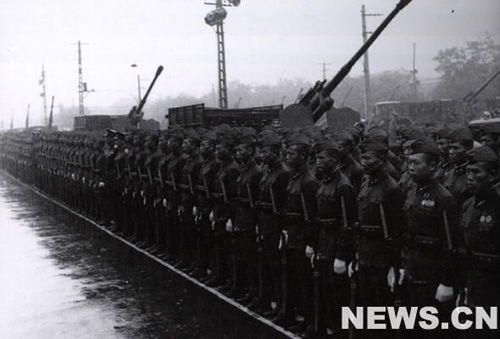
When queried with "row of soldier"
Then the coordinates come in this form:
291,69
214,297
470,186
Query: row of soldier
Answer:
296,223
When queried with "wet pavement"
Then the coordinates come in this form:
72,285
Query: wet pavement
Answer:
61,277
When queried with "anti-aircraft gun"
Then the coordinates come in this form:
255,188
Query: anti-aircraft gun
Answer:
316,101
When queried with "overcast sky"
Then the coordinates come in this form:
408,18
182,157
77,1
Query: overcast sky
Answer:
265,40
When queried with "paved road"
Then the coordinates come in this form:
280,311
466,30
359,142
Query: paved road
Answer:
61,277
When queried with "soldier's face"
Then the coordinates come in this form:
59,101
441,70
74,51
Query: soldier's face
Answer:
457,152
294,158
188,146
267,155
406,152
222,152
344,149
243,154
206,148
371,162
419,168
174,145
478,178
325,162
488,140
443,146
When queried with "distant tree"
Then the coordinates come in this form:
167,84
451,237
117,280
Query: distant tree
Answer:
465,68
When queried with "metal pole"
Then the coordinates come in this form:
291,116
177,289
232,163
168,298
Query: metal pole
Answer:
221,56
139,87
44,89
414,75
366,65
81,87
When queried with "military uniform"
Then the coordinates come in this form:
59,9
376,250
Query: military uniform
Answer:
431,238
337,211
271,207
455,179
480,228
299,232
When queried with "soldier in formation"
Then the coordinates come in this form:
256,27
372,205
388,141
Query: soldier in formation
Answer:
292,224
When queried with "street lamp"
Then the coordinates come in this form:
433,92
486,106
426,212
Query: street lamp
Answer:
138,83
216,18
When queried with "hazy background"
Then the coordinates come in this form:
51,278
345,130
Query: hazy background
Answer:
266,41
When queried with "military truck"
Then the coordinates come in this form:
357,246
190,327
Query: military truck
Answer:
200,116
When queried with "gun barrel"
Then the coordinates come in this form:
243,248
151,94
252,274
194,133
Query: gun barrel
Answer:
344,71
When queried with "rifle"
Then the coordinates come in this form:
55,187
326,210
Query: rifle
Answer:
304,207
316,295
284,275
205,185
317,100
190,181
384,222
250,198
223,187
273,200
150,177
260,253
172,177
447,231
352,300
137,110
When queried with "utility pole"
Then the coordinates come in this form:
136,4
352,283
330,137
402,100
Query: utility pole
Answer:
44,95
324,68
216,18
414,81
82,86
139,96
366,64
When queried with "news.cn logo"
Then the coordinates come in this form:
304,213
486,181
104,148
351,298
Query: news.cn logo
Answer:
426,318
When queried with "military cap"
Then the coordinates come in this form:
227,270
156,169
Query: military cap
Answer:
443,133
191,134
201,131
154,138
357,134
427,146
297,139
248,135
376,132
330,146
408,143
373,146
461,134
225,134
411,133
345,136
482,154
270,139
209,135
